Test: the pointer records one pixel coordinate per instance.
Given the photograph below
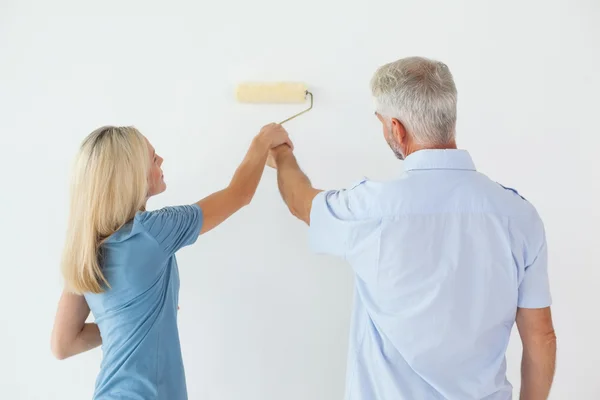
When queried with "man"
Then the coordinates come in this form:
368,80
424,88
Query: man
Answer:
445,259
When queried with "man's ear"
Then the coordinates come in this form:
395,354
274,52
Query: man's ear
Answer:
399,131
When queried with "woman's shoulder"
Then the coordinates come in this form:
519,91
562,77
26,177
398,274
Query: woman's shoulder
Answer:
145,221
172,227
165,214
124,232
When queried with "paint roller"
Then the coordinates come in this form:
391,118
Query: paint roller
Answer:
274,93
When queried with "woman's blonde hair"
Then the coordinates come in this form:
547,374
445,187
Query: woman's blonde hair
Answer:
109,186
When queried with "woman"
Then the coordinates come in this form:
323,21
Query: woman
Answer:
119,260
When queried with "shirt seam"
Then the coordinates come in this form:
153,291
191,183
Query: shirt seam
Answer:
356,353
395,216
377,263
157,363
440,169
147,232
164,251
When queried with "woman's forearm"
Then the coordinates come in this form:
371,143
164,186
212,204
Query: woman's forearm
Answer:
71,335
247,176
88,339
219,206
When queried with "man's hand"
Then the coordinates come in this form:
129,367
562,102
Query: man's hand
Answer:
276,153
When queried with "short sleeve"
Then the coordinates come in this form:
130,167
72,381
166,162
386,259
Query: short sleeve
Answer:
534,290
337,219
173,227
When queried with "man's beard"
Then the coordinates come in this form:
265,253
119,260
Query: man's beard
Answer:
395,148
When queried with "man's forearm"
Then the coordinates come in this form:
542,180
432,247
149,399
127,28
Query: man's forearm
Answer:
537,369
294,186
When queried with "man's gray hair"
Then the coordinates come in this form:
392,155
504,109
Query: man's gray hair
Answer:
421,94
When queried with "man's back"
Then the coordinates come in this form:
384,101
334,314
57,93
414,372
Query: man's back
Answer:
443,257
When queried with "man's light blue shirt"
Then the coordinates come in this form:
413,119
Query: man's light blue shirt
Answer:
442,257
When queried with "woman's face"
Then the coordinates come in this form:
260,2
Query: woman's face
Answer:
156,181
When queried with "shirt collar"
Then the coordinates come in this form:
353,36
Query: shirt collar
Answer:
439,159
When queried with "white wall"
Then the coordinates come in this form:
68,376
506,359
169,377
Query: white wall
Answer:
261,318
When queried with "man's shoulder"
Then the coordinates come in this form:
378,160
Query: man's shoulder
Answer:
515,200
512,191
378,198
506,195
522,213
361,198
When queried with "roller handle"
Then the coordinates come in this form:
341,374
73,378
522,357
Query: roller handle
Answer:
302,112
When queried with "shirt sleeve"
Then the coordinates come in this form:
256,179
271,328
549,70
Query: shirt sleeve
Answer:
337,218
534,290
173,227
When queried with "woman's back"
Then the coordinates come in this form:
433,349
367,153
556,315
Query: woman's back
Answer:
119,262
137,316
